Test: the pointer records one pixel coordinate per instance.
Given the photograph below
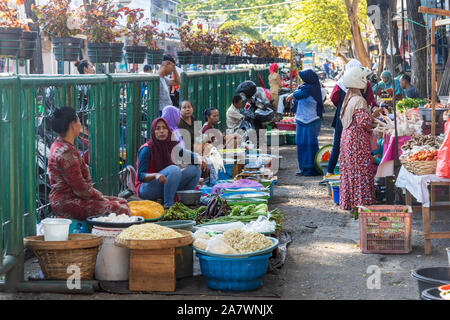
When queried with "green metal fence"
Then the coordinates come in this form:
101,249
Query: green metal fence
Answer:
264,73
116,112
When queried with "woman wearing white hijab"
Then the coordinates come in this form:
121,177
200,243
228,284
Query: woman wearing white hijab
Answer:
337,97
357,185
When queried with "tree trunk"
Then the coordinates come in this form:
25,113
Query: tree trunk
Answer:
36,64
360,50
418,39
380,20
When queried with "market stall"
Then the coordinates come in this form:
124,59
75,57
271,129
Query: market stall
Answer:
153,248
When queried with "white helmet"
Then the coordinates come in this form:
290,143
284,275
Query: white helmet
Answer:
356,77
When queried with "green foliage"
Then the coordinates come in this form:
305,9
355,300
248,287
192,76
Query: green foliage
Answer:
238,29
323,23
241,22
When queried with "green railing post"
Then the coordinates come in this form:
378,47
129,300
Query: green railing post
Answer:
28,113
14,234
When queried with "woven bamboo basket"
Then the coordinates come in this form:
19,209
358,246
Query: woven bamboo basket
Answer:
420,168
55,257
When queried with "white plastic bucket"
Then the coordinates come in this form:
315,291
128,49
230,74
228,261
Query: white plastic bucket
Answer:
113,262
56,229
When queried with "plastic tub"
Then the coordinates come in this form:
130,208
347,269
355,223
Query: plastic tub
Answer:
227,274
431,294
335,194
432,277
56,229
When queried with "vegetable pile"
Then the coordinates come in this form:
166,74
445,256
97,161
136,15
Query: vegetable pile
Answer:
217,207
146,209
275,215
181,212
408,103
420,147
424,156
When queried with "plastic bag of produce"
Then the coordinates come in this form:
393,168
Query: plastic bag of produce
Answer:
443,160
261,225
218,245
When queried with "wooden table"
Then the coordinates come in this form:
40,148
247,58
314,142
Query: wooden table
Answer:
428,214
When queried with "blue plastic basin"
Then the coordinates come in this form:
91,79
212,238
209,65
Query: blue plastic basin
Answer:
228,274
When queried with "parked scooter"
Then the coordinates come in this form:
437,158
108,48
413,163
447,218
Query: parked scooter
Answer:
257,112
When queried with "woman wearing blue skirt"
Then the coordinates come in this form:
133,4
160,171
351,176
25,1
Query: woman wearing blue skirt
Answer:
308,108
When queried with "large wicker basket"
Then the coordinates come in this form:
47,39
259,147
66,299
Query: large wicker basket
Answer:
55,257
420,168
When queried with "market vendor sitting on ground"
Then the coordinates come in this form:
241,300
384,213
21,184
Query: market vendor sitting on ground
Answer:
213,135
167,68
157,175
409,89
72,193
187,122
234,115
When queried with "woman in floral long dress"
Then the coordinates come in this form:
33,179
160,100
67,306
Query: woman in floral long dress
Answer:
357,175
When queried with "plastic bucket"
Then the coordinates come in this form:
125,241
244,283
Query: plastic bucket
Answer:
335,194
432,277
112,261
431,294
228,274
56,229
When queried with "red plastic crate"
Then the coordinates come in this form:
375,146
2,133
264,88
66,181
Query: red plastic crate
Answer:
386,229
286,126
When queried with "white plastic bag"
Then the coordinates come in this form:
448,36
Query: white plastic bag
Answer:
262,224
217,245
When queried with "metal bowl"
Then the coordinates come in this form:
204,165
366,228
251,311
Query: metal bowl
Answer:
189,197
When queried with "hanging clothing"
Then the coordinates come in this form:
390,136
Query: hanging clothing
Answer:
72,192
357,176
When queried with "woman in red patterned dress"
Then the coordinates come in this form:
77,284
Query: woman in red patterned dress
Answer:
72,193
357,185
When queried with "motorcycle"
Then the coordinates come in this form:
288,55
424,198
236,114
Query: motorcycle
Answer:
257,112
